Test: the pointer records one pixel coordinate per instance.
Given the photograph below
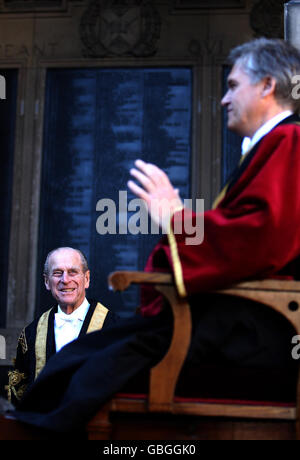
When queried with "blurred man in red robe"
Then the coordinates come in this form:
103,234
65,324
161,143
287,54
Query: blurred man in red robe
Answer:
251,233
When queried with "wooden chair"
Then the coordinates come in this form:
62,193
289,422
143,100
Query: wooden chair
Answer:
217,419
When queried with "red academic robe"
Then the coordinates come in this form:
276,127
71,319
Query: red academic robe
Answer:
252,234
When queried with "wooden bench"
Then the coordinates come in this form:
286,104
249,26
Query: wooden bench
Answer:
129,416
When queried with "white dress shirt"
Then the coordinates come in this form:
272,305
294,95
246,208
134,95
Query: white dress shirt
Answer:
67,327
249,143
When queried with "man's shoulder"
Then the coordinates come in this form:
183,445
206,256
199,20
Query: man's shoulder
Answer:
287,128
111,316
31,327
288,133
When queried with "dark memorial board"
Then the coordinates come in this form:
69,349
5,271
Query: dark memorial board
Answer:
97,123
7,143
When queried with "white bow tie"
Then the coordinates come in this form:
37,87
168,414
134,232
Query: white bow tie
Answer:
62,319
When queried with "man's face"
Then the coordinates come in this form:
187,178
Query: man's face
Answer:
244,103
67,281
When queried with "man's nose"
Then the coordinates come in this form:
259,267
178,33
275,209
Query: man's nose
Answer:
65,278
225,100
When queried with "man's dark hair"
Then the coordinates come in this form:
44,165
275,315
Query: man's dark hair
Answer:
275,58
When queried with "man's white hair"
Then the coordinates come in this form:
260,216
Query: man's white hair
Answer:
84,261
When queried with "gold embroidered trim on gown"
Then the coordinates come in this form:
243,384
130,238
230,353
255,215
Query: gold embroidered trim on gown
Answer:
178,274
41,342
98,318
15,377
23,342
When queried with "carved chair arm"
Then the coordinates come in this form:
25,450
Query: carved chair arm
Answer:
121,280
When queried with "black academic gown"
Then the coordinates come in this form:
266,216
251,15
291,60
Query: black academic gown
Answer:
36,345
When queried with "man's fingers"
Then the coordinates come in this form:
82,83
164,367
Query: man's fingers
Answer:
155,174
143,179
138,191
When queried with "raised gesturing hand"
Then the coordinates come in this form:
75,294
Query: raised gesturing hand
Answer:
159,195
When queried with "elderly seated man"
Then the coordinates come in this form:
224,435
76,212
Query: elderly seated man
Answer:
67,276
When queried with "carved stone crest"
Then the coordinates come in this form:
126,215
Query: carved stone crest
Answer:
120,28
266,18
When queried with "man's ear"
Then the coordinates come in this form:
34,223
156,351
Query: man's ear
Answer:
87,279
46,281
268,86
